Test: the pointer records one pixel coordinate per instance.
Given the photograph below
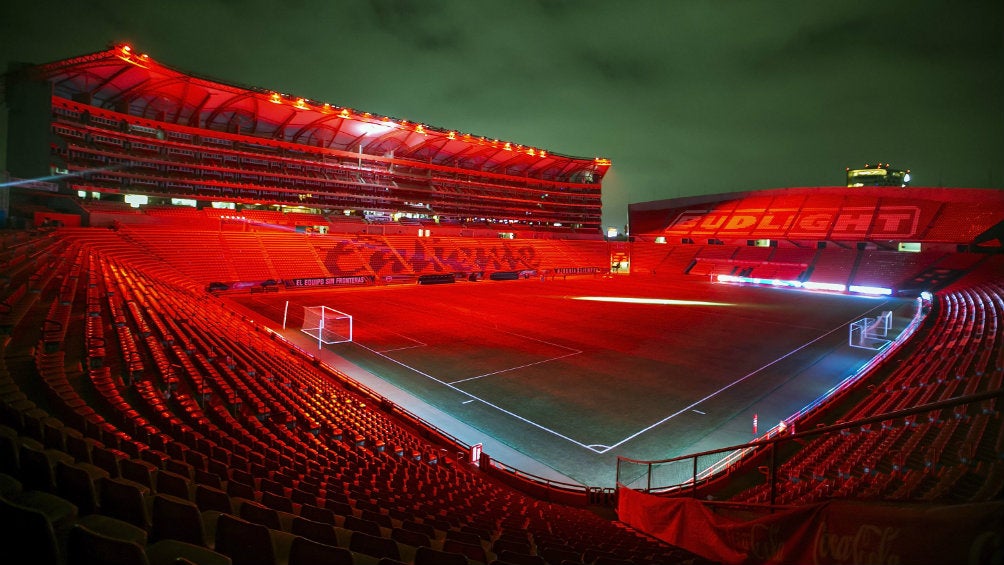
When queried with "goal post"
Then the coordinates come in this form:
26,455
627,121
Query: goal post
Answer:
327,325
870,333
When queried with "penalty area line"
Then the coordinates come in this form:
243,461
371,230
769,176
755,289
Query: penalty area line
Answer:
500,371
481,400
417,343
737,381
572,350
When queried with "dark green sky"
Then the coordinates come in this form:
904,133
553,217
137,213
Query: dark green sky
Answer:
686,97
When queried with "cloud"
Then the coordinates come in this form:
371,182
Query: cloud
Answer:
685,96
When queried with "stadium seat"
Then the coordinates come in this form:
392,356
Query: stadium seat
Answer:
304,551
243,542
430,556
409,537
123,500
77,482
209,498
86,547
373,545
473,551
177,519
28,535
317,531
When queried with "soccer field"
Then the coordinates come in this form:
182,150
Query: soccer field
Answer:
574,373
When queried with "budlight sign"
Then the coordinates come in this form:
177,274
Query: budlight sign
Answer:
894,222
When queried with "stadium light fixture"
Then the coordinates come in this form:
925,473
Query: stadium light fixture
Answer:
369,128
832,287
870,290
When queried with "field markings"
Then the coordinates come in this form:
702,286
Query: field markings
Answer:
417,343
572,351
596,448
473,397
739,380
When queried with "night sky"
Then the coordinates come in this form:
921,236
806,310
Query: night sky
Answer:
685,97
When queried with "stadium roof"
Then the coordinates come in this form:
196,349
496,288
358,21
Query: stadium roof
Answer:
126,81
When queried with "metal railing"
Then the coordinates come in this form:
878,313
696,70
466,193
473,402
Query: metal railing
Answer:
699,475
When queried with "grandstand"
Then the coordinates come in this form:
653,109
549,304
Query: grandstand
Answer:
154,407
151,131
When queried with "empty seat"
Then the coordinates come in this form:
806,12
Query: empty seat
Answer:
208,478
520,558
300,496
138,471
276,502
555,555
338,507
462,536
237,489
316,514
174,484
38,465
77,482
9,486
382,520
357,524
9,447
124,500
429,556
27,535
209,498
86,547
304,551
408,537
258,514
178,519
514,546
317,531
108,459
420,528
243,542
79,446
473,551
374,546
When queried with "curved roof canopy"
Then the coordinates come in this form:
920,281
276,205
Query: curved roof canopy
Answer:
123,80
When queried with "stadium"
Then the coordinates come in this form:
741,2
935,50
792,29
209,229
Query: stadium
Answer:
242,326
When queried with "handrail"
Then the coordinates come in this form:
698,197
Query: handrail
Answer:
772,441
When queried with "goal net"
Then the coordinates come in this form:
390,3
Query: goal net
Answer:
326,325
870,333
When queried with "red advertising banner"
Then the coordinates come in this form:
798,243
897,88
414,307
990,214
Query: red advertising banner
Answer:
836,532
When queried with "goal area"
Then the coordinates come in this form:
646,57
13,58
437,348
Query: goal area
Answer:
327,325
